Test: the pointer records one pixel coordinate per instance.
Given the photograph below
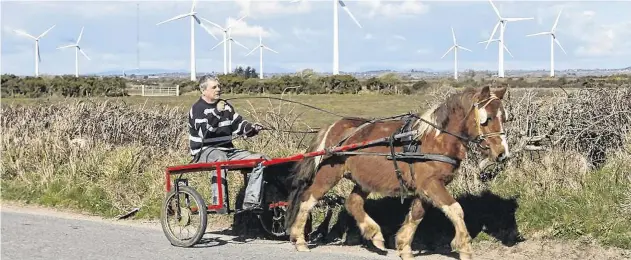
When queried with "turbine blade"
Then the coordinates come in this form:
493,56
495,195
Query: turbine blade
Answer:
44,33
558,43
236,21
238,43
67,46
349,12
174,18
269,49
39,58
507,50
492,34
556,21
193,6
86,56
518,19
453,34
80,35
495,9
489,41
23,33
214,24
205,28
252,51
452,47
535,34
218,44
464,48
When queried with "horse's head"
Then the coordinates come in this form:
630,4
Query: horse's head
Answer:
485,123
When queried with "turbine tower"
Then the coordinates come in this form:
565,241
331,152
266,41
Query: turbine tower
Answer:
76,52
336,50
227,42
502,21
38,58
553,39
455,48
194,19
261,46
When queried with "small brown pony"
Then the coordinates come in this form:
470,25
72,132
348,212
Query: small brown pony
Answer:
472,115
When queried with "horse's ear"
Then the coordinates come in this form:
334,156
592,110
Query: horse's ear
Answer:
485,92
500,92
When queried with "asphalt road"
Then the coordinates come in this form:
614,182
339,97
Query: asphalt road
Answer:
40,235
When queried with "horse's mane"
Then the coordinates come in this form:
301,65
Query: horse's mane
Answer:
439,113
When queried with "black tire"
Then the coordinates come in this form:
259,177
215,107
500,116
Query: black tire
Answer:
202,210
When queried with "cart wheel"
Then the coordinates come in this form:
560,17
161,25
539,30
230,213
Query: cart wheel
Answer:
192,214
273,221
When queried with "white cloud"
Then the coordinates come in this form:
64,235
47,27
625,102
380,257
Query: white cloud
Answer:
241,28
390,9
272,7
596,38
369,36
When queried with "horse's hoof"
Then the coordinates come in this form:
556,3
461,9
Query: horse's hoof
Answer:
302,248
379,244
466,255
406,256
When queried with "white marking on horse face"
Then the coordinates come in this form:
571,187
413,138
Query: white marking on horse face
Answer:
503,136
318,159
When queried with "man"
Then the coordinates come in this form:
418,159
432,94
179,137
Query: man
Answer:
211,123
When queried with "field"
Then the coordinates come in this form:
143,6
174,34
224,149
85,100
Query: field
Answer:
106,156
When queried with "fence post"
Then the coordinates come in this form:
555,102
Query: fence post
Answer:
143,89
177,90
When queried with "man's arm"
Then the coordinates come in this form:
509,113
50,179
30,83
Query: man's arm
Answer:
239,125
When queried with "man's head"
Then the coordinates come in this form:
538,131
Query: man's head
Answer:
210,88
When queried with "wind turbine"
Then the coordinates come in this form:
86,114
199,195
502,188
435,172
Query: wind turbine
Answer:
261,46
227,42
336,50
76,52
38,59
553,39
455,48
502,21
194,19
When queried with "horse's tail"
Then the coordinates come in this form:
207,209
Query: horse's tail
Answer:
304,173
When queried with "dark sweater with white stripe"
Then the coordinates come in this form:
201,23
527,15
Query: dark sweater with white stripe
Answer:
213,127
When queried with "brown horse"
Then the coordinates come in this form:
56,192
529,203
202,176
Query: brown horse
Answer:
472,115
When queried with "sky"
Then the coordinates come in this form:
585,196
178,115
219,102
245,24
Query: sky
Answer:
395,35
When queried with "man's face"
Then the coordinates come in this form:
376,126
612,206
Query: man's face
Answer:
212,91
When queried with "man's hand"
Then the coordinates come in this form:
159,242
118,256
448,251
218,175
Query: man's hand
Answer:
258,127
254,130
221,105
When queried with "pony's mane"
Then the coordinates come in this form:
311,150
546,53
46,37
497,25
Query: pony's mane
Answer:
439,113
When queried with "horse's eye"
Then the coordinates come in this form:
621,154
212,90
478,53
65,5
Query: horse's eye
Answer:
488,119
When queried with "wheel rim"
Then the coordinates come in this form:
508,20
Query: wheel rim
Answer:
275,225
188,220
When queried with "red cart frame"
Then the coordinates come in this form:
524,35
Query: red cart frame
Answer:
241,164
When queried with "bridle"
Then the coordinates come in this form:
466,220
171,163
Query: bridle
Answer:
481,137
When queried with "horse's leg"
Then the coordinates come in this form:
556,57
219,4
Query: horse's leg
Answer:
406,232
324,180
442,199
368,227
